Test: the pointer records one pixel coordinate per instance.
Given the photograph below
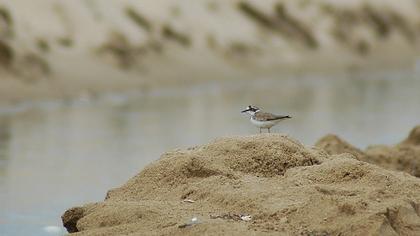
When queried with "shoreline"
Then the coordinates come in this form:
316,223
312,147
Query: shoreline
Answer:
63,57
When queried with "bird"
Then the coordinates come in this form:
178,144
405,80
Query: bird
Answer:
263,120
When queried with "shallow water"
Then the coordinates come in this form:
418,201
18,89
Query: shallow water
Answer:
55,155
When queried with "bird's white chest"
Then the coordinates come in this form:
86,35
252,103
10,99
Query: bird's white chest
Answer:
264,124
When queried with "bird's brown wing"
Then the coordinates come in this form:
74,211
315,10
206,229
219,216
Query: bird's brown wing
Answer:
265,116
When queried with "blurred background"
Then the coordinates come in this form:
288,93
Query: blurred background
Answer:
91,91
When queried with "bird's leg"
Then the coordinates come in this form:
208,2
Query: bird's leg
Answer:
269,130
260,130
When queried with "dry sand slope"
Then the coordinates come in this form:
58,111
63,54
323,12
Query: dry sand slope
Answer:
287,189
404,156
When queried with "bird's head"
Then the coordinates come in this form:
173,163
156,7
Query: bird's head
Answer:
251,110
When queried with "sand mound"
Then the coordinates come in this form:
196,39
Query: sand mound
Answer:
286,188
332,144
404,156
413,138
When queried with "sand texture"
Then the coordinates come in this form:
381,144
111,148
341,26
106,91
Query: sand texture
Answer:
285,188
404,156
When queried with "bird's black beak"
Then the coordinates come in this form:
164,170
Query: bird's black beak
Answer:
244,110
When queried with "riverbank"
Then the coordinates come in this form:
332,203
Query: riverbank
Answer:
69,49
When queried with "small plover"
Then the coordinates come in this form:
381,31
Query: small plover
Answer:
263,120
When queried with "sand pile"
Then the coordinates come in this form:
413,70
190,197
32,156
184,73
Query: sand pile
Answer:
404,156
256,185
